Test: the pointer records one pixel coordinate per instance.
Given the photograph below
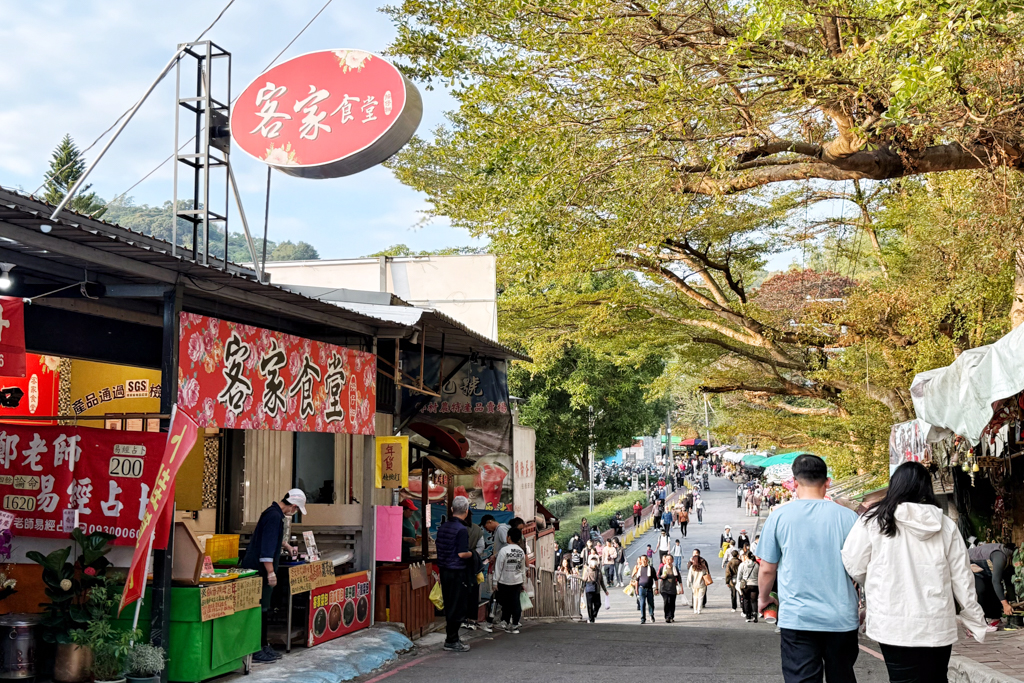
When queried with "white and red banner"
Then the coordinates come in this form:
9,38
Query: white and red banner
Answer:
12,337
176,445
107,476
242,377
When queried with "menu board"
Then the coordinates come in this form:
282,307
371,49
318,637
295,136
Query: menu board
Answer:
340,608
217,600
248,593
305,577
300,579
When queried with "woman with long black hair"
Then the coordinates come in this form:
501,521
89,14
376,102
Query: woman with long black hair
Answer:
911,562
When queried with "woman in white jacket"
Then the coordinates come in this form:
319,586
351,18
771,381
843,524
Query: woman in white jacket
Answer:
911,562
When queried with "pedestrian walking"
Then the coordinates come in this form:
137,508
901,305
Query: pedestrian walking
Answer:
669,588
649,553
644,584
732,566
911,563
801,545
620,564
677,555
684,520
666,520
739,495
609,556
742,541
593,585
637,512
584,529
746,580
452,545
510,574
699,506
696,572
664,547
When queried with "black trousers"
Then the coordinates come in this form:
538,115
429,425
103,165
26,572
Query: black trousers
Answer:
808,656
732,595
471,610
657,521
748,600
670,606
593,604
916,664
453,591
636,521
682,527
508,598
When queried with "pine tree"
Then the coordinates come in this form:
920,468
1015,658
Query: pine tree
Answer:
66,166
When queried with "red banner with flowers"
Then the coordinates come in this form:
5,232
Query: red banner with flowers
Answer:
242,377
104,475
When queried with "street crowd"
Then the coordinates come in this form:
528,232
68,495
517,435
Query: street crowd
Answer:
817,569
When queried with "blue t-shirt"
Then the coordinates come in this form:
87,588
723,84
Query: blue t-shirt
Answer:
805,538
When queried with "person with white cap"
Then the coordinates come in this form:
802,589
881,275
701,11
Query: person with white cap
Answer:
263,554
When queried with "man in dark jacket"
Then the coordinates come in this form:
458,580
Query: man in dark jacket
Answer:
452,552
263,553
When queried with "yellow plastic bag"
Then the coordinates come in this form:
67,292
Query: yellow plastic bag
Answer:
479,577
436,596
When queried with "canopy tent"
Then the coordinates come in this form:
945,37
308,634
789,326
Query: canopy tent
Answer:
733,456
694,442
753,460
778,473
960,397
782,459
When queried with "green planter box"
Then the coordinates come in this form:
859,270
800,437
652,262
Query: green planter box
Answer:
199,650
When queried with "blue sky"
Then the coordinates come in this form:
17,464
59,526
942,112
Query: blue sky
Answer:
75,66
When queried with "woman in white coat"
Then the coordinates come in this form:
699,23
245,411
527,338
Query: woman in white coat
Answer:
911,562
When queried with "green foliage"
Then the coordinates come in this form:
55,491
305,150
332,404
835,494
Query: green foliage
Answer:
145,660
558,396
405,250
66,166
562,504
110,647
287,251
71,587
601,516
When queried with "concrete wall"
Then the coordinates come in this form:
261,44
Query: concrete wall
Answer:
462,287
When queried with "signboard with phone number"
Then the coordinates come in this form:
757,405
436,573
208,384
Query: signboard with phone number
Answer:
339,609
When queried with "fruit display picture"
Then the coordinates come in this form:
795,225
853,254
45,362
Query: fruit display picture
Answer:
474,418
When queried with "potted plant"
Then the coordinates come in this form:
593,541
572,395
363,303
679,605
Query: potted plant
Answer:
144,663
68,586
109,646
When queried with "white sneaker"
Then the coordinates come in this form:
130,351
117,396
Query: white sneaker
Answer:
503,625
486,628
733,609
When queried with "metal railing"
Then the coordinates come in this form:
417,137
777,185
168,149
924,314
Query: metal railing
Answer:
554,594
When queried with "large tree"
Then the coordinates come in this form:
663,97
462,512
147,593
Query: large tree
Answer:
559,394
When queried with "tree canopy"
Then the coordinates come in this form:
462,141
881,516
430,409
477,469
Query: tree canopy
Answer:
66,166
636,166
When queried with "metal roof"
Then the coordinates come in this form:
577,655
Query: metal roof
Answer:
78,247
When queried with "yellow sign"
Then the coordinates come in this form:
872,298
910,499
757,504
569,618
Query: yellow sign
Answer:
248,593
216,601
392,462
300,578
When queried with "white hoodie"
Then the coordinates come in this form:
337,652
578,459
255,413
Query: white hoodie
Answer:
910,580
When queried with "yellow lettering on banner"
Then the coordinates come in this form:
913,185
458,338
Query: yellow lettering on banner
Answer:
176,440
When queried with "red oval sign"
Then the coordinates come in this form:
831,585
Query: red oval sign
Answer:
326,114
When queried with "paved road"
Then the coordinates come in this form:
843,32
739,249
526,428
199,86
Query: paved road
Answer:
716,647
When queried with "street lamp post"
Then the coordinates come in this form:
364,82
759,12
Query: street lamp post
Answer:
590,456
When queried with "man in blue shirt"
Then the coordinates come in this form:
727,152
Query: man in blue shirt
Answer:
801,544
452,544
263,553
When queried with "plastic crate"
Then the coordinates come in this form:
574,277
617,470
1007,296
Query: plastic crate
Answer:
222,547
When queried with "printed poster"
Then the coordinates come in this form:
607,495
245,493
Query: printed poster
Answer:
340,608
474,405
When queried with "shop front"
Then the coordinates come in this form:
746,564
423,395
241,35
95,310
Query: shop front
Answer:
115,332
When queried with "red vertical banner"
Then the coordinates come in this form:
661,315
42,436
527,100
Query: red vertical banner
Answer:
180,439
12,337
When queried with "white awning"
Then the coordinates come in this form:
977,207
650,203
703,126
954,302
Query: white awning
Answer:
960,396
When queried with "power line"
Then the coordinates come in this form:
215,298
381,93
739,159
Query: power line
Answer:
135,104
187,142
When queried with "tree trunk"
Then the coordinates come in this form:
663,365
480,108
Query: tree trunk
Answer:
1017,308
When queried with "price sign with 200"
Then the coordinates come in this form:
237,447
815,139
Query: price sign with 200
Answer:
126,467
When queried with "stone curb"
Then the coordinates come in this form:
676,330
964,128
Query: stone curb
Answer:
965,670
